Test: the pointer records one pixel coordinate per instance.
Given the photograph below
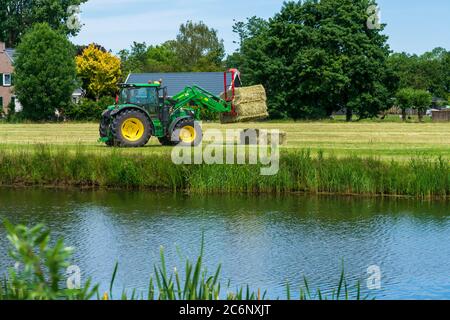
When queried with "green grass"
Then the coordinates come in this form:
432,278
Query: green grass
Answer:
43,165
386,140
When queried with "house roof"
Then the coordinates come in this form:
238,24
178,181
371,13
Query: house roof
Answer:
176,82
10,53
78,92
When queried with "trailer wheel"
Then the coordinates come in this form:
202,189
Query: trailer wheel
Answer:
131,129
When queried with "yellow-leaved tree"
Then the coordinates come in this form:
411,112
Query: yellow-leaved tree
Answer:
99,70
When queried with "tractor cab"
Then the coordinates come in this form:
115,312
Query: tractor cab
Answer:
147,96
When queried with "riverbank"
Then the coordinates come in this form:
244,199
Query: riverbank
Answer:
44,165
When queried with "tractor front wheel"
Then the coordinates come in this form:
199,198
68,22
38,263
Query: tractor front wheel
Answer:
187,132
131,129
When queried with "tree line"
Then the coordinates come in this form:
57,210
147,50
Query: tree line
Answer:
313,57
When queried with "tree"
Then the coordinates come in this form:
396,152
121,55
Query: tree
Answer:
99,70
18,16
317,57
45,73
160,58
422,101
425,72
80,48
446,68
134,60
198,48
414,98
405,100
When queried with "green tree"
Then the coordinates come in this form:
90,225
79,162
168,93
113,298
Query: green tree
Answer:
18,16
422,101
446,68
162,58
426,72
45,73
405,100
134,60
317,57
415,99
198,48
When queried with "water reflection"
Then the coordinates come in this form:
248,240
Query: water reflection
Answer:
261,241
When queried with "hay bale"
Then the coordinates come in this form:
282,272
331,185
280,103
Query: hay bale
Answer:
257,136
250,104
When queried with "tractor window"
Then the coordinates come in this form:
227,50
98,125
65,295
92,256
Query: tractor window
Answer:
139,96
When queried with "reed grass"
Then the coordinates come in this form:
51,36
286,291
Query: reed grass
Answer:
299,172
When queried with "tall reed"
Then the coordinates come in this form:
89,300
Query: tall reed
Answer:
299,172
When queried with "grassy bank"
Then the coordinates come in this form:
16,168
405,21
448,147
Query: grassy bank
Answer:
299,172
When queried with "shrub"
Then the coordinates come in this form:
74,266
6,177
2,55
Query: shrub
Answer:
39,270
88,110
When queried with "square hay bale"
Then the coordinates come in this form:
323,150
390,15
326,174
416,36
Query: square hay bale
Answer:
257,136
250,104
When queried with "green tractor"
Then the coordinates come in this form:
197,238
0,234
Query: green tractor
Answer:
144,110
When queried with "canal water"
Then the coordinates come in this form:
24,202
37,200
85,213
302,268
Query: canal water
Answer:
263,241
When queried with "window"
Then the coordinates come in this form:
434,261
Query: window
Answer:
7,80
139,96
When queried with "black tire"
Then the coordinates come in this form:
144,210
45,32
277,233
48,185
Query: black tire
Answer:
166,141
105,128
175,136
121,140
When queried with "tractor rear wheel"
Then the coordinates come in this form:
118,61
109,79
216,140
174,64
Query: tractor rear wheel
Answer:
104,130
131,129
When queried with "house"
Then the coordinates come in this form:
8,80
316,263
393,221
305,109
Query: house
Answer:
176,82
77,95
6,79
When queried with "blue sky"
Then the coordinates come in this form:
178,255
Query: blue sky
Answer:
414,26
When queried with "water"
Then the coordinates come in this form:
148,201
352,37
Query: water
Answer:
261,241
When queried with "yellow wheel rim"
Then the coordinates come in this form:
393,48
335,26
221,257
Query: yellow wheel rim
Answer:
188,134
133,129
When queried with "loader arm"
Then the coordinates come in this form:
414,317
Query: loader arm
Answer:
196,96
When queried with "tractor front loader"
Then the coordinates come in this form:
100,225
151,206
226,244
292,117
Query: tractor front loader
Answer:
144,110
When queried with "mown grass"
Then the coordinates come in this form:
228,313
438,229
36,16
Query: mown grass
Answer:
300,171
386,140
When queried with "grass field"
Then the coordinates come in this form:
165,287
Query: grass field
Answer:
390,140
